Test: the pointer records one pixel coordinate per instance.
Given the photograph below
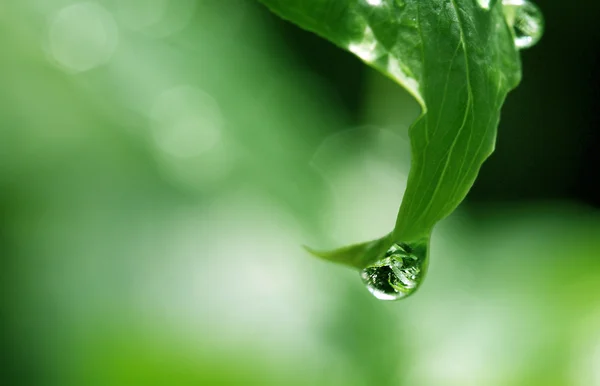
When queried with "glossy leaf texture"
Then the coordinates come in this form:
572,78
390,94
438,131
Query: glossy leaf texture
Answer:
458,59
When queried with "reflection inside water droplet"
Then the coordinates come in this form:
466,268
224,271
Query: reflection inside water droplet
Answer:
526,20
397,275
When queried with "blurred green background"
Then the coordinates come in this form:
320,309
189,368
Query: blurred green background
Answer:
162,162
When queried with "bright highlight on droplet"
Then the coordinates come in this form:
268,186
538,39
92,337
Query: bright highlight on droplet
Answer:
375,3
186,122
82,36
397,275
526,20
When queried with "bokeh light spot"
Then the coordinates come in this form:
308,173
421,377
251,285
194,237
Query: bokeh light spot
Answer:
156,18
186,122
82,36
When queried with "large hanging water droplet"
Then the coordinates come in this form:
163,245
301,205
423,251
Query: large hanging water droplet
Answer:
397,275
526,20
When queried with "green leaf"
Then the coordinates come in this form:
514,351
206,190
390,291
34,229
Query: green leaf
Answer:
356,255
458,59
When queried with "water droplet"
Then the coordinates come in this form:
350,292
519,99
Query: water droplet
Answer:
397,275
368,48
485,4
526,20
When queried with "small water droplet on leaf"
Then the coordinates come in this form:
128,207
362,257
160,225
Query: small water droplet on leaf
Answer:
526,21
375,3
485,4
397,275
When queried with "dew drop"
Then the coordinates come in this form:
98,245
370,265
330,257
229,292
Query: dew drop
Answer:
526,20
367,48
485,4
397,275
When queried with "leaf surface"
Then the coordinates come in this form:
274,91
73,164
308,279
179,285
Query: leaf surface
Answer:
458,59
